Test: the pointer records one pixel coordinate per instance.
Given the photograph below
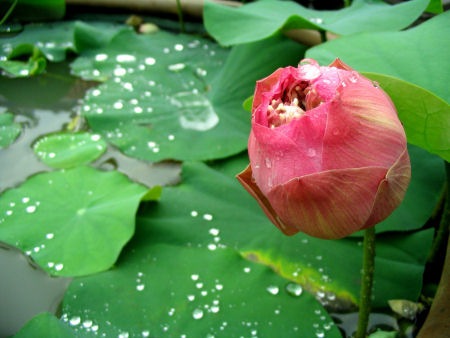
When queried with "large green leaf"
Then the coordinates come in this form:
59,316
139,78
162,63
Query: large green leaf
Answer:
72,222
425,117
67,150
417,55
261,19
176,96
162,290
213,210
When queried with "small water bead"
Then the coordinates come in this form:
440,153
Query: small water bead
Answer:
128,86
212,246
207,217
197,314
50,235
30,209
247,269
87,324
101,57
199,285
25,199
176,67
145,333
316,20
171,137
311,152
204,293
273,289
75,321
59,266
123,335
294,289
138,110
118,105
119,71
194,213
140,287
268,163
178,47
96,92
150,61
125,58
195,277
171,312
201,72
191,298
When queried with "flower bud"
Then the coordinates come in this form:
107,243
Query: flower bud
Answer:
328,154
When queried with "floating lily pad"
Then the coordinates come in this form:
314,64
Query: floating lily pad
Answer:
65,150
72,222
41,42
9,130
213,210
177,291
261,19
176,96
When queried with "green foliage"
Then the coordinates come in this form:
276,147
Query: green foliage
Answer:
65,150
52,215
176,96
261,19
204,259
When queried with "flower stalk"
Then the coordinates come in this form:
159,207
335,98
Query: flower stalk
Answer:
366,283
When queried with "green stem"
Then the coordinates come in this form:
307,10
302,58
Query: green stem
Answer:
8,13
180,16
366,283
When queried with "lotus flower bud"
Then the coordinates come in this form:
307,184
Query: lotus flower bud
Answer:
327,151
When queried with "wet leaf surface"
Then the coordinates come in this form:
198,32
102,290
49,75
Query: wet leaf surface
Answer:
52,215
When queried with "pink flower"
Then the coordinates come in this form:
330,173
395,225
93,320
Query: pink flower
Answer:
327,152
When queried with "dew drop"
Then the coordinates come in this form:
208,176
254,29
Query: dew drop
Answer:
50,236
247,269
118,105
212,246
294,289
101,57
197,314
273,289
87,324
311,152
123,335
214,231
207,217
30,209
140,287
219,287
150,61
215,309
199,285
75,321
171,137
25,200
195,277
191,298
316,20
194,213
176,67
178,47
125,58
145,333
59,266
119,71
